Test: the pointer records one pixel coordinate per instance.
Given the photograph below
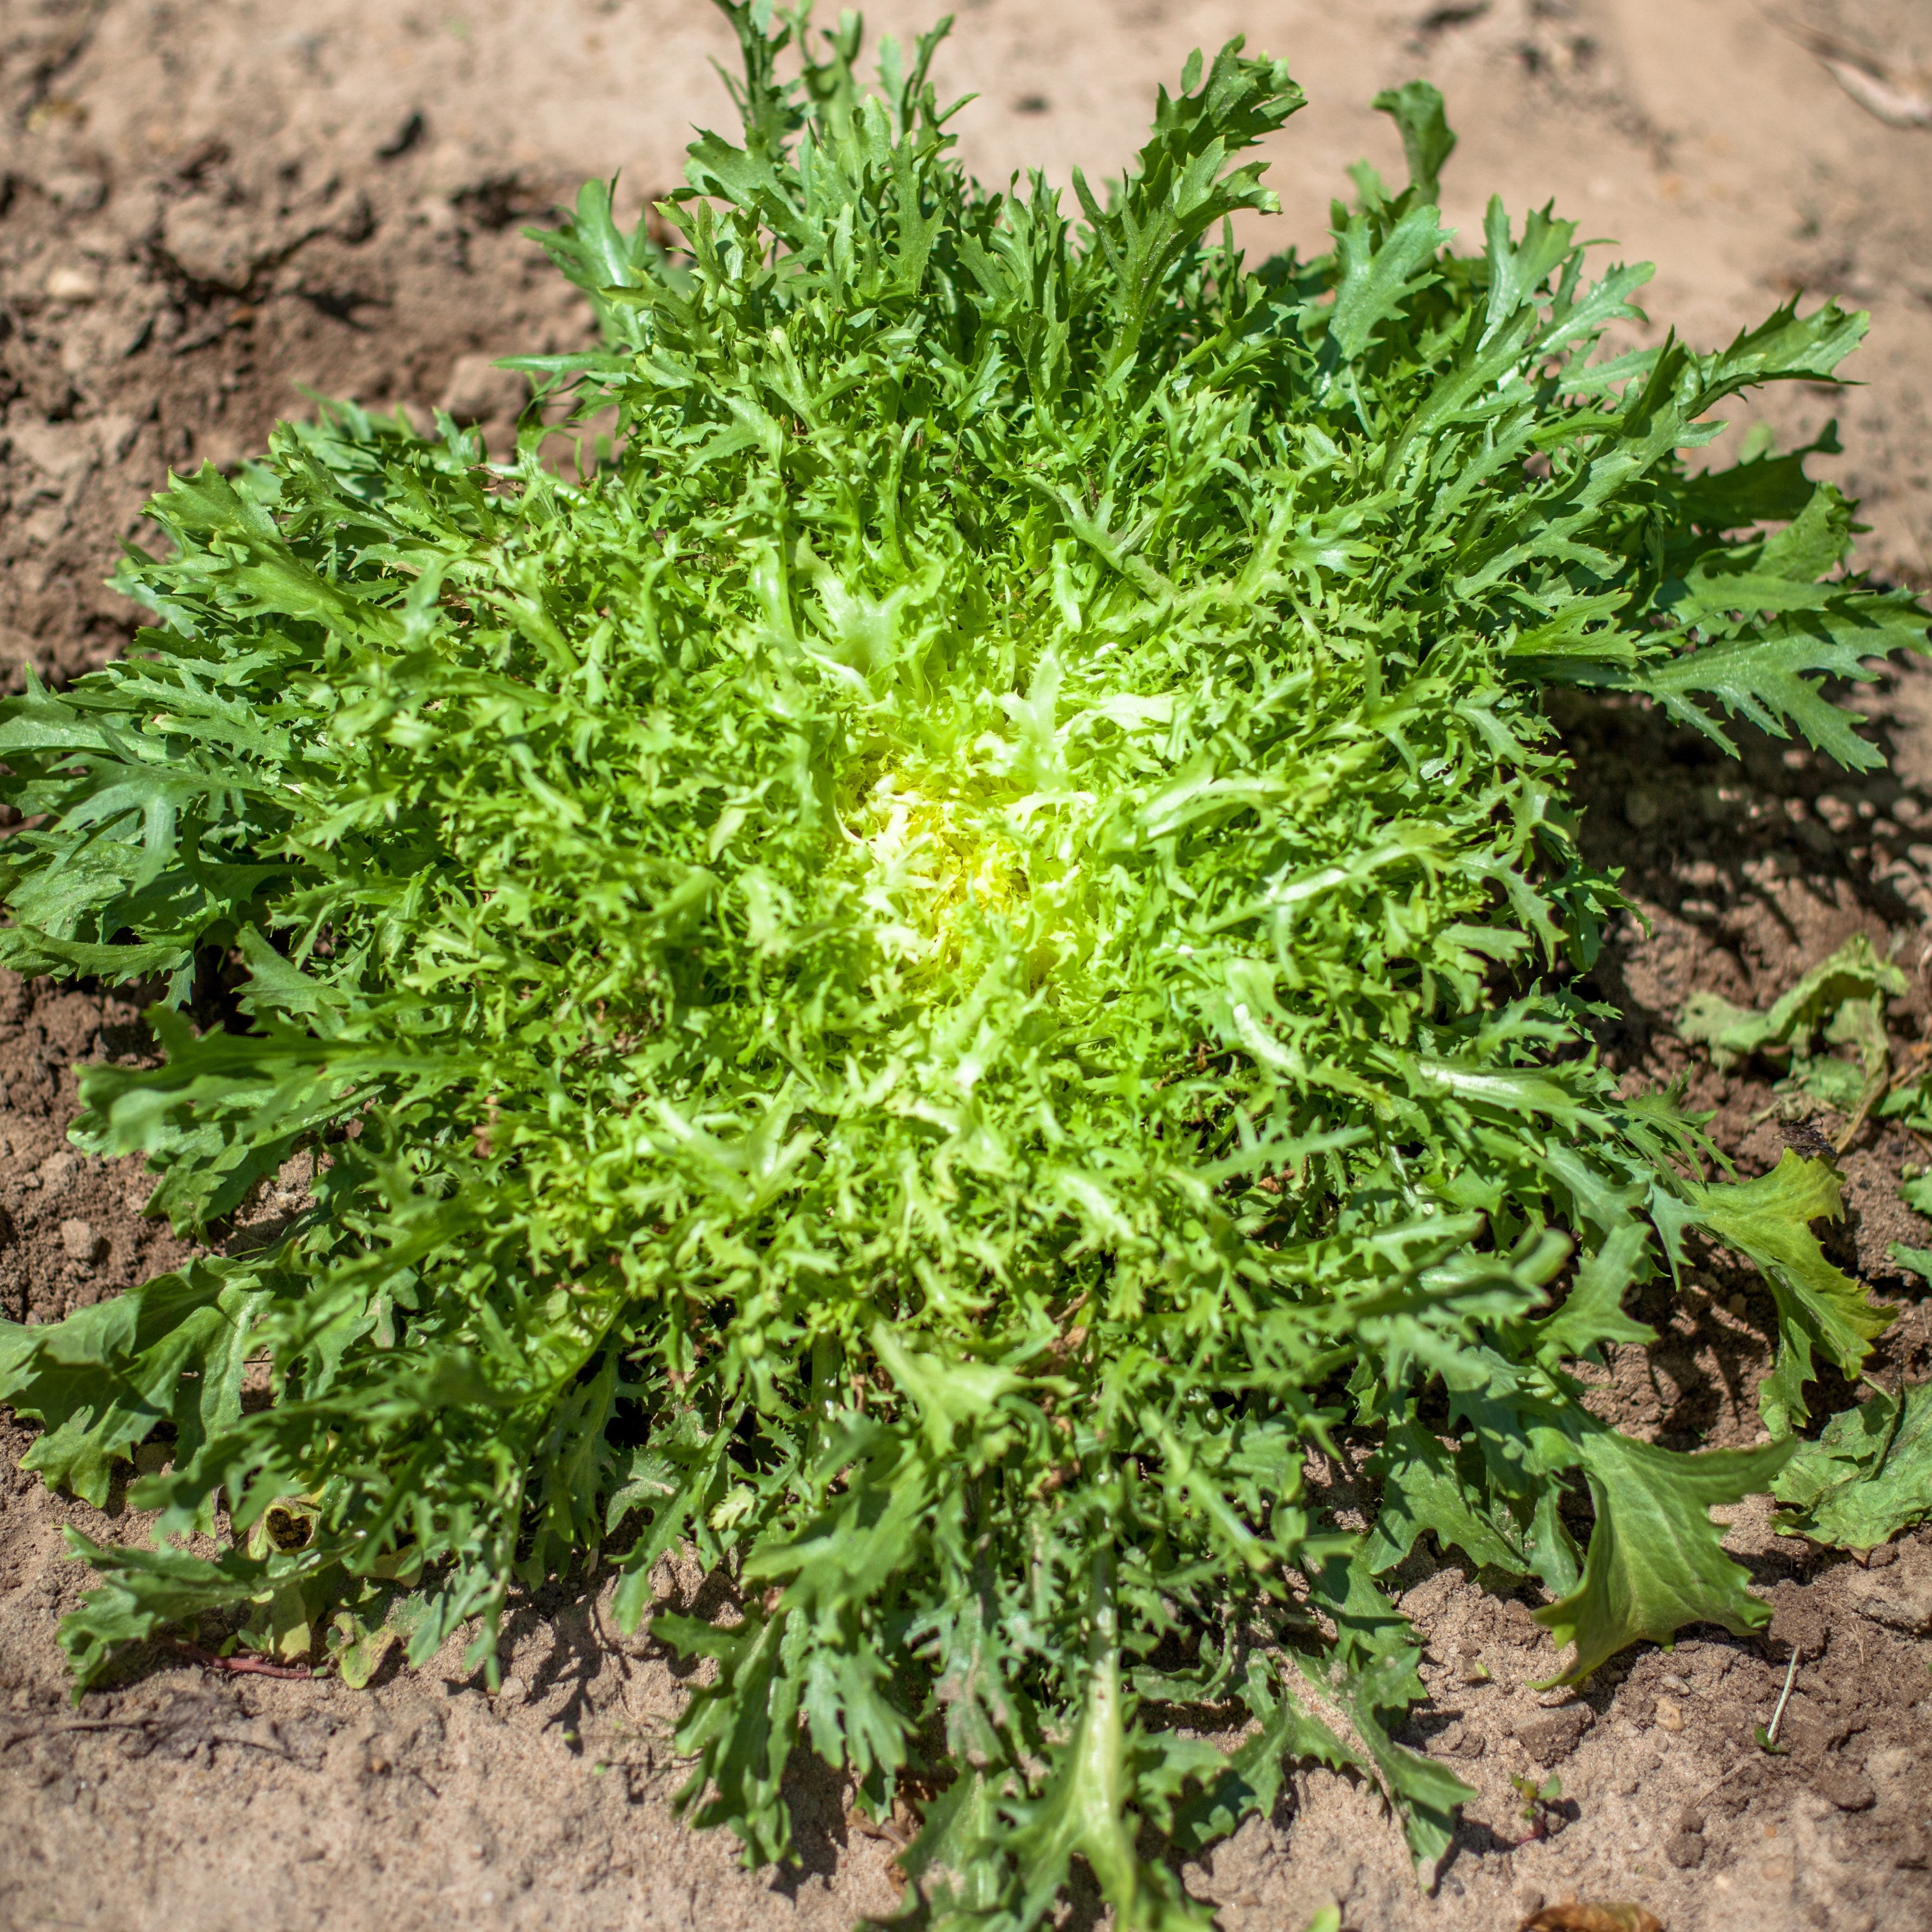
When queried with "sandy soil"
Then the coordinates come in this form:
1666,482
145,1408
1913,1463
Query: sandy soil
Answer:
205,210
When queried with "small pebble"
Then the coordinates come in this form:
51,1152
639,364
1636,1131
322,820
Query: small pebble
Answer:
1671,1681
1669,1715
1845,1786
72,285
80,1240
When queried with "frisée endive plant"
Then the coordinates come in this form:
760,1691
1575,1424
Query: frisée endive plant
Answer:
922,983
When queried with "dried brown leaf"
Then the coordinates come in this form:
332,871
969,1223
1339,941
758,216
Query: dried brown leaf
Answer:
1617,1916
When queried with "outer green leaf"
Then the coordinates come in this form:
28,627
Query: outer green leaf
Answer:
1250,1781
1761,679
1656,1560
1424,1487
1592,1313
741,1729
148,1590
1427,141
1919,1261
1082,1811
1765,488
1866,1477
174,1350
1374,1679
1768,1220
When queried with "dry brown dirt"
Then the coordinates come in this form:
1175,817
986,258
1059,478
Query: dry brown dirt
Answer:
206,210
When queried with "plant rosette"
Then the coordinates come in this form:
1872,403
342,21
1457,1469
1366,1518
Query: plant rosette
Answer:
920,982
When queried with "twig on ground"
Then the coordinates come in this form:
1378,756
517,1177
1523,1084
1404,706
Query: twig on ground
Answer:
1784,1696
1875,1091
1770,1732
1911,1066
238,1666
1719,1784
1899,100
